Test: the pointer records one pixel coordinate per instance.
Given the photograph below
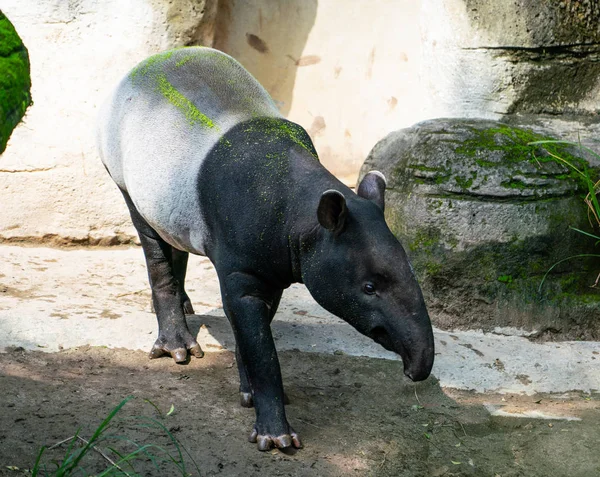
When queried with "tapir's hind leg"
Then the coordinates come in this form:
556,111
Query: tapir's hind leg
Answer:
180,260
174,337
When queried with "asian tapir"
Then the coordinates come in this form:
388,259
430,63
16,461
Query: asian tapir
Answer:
207,165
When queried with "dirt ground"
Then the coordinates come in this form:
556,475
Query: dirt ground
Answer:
356,416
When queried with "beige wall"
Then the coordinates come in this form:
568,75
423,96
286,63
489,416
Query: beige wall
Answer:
52,184
349,71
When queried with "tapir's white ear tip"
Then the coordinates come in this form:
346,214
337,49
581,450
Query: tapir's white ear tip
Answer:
380,174
332,191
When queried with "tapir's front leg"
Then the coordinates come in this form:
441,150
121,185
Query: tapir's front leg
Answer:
245,389
247,302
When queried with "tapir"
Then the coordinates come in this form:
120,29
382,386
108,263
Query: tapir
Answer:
207,165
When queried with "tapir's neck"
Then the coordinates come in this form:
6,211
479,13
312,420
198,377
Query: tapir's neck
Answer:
260,188
310,180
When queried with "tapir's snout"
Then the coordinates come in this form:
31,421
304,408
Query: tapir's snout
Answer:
413,341
419,369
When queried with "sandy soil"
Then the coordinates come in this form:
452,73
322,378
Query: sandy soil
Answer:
356,416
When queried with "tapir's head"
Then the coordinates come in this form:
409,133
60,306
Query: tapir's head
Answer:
359,271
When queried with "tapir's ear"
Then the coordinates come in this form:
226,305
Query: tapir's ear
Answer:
372,187
332,211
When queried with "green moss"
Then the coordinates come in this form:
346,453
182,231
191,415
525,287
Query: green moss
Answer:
435,205
432,268
15,81
515,184
505,278
512,142
192,113
150,69
276,129
184,60
515,145
485,163
425,240
442,178
147,65
224,141
464,183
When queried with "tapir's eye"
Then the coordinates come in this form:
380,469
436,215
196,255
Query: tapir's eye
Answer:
369,288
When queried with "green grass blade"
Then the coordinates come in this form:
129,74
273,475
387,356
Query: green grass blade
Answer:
97,433
145,451
154,406
153,423
69,456
120,456
154,458
592,192
585,233
36,467
569,164
161,426
567,143
564,260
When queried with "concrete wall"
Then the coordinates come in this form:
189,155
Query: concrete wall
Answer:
349,71
52,184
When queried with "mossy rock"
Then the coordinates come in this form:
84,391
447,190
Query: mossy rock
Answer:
483,215
15,82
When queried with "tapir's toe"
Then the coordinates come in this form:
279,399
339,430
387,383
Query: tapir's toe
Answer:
267,442
156,352
178,353
196,350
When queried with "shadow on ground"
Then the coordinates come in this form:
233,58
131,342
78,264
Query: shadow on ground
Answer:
357,417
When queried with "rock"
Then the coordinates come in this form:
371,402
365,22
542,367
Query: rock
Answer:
483,58
15,82
483,216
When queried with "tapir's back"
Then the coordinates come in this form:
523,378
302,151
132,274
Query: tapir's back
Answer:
161,122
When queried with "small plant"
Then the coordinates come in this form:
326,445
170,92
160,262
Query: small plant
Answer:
592,184
121,454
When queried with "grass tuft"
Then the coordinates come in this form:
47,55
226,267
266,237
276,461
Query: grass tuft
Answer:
108,454
592,184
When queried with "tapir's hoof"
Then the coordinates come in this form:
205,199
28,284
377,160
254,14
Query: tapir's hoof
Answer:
267,442
179,355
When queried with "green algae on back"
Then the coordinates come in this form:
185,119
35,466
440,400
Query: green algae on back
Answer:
145,66
150,69
278,128
15,81
192,113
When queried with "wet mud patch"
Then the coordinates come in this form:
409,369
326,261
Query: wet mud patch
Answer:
356,416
